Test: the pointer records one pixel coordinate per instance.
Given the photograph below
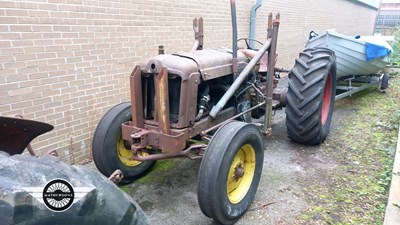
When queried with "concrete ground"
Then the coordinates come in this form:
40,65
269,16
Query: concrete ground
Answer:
168,196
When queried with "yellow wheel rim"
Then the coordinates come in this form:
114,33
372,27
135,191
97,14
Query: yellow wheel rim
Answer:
241,174
125,155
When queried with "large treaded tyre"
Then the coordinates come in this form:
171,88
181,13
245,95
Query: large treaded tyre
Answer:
230,172
97,199
311,96
109,150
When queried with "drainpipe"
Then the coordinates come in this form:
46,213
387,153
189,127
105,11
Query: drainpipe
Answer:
253,16
234,39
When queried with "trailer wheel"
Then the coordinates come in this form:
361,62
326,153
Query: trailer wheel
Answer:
230,172
384,82
109,150
311,96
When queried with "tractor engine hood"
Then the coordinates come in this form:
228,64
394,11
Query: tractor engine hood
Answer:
210,63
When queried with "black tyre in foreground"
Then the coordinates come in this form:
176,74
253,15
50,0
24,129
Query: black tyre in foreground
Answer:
311,96
110,152
23,179
230,172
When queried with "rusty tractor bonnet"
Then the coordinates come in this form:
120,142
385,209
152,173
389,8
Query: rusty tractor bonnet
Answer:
164,93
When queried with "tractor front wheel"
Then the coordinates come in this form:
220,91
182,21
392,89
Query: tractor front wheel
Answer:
111,152
230,172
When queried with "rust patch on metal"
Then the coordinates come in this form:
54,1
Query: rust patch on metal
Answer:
162,101
198,34
116,176
184,153
273,31
136,97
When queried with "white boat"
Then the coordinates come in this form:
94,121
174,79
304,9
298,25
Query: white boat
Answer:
352,53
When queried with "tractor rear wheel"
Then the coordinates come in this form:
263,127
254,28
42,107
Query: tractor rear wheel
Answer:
311,96
111,152
230,172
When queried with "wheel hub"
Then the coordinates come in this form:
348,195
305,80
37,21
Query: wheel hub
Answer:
239,172
125,154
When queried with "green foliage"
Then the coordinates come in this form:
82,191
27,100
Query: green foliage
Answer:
395,56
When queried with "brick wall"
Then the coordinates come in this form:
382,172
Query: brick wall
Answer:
66,62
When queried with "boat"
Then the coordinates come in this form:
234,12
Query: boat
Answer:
354,55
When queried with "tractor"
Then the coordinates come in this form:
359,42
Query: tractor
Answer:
207,104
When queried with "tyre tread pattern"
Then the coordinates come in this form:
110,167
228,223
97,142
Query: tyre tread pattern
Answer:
304,100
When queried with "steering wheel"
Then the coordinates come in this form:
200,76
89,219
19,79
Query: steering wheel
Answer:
246,40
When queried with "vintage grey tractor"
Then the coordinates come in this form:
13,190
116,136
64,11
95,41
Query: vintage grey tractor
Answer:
216,105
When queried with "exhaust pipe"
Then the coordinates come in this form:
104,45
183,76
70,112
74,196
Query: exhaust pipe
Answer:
253,16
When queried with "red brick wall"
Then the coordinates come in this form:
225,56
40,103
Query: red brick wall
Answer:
66,62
